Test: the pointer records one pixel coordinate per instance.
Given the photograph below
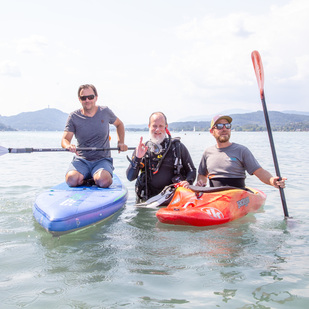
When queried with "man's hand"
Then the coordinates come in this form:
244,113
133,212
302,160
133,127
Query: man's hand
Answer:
274,181
141,149
71,148
122,147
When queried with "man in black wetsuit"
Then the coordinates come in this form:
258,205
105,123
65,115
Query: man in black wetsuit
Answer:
159,162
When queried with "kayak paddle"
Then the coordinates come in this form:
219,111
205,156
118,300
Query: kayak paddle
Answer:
4,150
161,199
259,72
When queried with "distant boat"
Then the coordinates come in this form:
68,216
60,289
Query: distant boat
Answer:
194,129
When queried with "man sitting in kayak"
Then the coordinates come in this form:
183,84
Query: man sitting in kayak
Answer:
226,163
162,161
90,125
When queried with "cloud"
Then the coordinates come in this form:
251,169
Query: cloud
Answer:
34,44
207,63
216,62
8,68
181,63
241,31
302,64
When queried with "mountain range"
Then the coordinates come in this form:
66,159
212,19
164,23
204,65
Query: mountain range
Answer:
51,119
48,119
254,121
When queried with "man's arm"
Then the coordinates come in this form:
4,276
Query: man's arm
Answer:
66,141
268,179
120,135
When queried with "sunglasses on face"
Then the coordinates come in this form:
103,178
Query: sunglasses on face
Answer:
85,97
220,126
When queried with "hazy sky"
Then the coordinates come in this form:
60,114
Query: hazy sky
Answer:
182,57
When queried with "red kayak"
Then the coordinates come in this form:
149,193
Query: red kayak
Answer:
205,206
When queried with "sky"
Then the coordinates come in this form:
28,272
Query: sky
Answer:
187,58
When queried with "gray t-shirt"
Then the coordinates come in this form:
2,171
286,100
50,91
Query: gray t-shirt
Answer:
229,162
91,131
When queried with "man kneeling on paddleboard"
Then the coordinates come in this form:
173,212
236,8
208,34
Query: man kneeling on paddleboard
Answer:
90,125
226,163
159,162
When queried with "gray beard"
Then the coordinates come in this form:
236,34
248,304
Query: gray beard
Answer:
157,141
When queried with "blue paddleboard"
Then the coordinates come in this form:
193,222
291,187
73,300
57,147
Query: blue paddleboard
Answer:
64,209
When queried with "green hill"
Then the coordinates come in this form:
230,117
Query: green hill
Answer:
3,127
252,122
48,119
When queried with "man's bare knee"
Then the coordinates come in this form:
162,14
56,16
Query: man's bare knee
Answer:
74,179
103,179
103,183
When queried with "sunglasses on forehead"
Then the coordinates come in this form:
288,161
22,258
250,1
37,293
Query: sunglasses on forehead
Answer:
85,97
220,126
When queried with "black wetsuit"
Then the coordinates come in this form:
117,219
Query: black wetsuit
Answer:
167,173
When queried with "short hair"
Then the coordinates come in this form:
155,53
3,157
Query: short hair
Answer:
86,86
158,113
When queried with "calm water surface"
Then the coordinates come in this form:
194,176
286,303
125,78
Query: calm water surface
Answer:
132,261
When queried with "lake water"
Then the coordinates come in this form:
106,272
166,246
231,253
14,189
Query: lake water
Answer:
132,261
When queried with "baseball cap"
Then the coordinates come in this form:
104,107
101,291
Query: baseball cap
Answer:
218,117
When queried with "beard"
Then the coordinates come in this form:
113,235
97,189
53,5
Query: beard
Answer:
223,138
157,139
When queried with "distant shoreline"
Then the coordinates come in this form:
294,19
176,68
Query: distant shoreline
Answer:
54,120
